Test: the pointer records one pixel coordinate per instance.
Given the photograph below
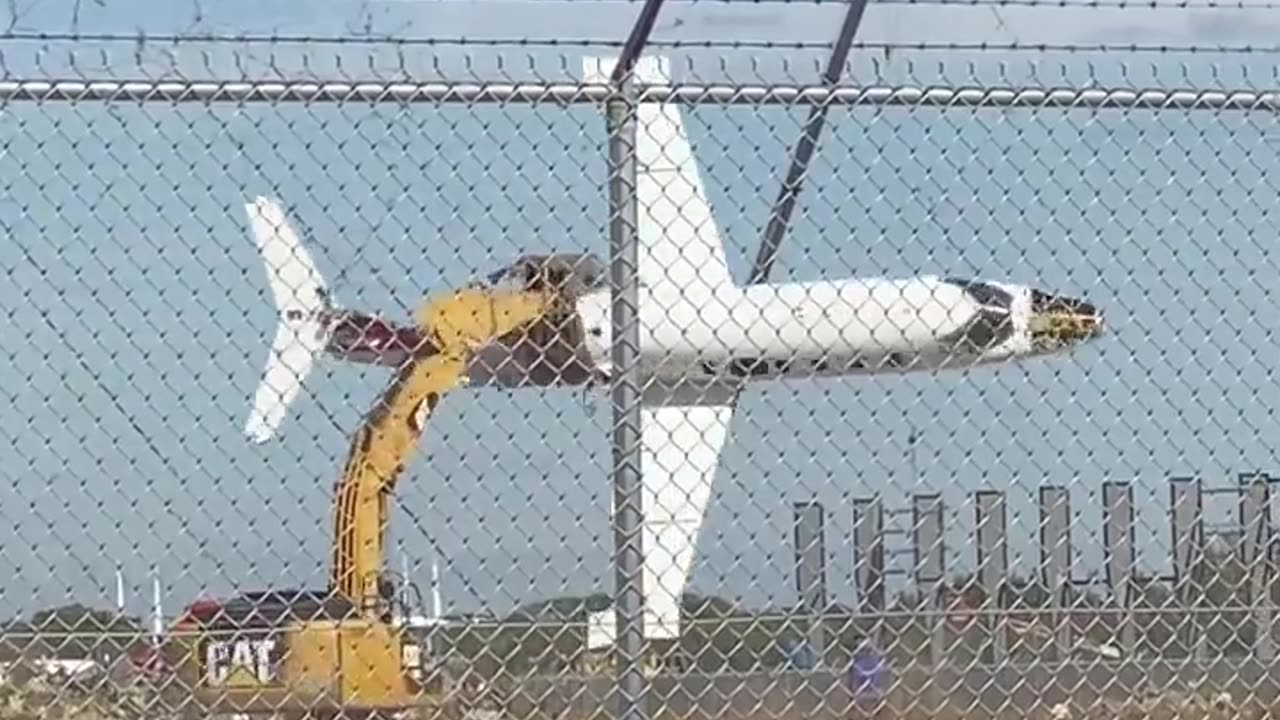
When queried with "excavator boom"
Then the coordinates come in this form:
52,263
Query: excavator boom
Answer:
379,452
457,325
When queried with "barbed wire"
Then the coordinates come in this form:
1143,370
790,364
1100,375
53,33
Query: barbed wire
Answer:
401,42
1082,4
481,42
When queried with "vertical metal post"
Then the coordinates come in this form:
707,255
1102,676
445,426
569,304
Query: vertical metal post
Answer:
624,281
1055,562
928,528
1117,535
1255,522
625,393
991,536
868,553
1186,510
809,532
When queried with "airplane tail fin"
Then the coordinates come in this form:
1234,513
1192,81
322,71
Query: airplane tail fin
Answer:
301,299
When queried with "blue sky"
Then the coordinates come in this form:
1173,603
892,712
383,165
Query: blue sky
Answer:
137,317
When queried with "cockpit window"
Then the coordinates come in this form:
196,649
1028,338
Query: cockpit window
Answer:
984,293
992,326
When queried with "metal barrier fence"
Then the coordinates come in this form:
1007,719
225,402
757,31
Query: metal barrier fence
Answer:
967,452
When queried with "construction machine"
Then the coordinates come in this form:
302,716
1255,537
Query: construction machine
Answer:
339,652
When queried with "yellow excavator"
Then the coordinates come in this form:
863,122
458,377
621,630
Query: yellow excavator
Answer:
339,652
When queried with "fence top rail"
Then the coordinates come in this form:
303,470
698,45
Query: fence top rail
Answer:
251,91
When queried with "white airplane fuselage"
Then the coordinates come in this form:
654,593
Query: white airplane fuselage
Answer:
735,334
827,328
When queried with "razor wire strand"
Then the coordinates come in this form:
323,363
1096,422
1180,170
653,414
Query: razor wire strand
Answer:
692,44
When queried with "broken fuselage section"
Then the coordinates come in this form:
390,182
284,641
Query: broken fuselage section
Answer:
550,352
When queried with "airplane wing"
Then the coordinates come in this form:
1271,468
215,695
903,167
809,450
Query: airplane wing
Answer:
299,294
293,352
684,427
295,282
683,430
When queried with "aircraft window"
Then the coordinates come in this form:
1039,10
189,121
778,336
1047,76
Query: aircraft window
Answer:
984,293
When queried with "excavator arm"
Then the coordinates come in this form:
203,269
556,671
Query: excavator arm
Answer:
456,325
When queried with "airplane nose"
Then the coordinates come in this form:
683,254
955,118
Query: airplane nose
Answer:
1058,320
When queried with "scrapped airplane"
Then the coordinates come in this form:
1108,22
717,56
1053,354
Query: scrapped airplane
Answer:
703,335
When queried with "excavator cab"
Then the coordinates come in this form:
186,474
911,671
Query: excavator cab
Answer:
293,649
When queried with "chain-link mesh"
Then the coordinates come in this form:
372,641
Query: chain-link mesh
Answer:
992,440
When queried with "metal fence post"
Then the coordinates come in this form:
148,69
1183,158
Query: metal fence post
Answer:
625,392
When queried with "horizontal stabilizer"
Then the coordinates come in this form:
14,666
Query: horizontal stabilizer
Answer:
296,283
300,296
293,352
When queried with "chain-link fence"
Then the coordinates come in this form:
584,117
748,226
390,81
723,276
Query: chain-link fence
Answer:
992,439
